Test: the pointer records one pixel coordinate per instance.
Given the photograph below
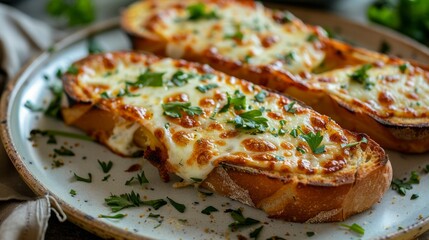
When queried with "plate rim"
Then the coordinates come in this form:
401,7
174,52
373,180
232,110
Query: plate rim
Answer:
101,228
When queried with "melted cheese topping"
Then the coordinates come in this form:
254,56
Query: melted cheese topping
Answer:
392,91
242,32
196,144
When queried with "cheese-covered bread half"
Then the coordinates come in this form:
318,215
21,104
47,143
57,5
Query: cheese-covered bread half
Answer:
226,135
365,91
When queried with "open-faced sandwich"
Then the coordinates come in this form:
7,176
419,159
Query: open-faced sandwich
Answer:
226,135
364,91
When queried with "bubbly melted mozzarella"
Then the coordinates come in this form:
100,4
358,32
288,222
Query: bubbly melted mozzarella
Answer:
392,91
242,32
195,149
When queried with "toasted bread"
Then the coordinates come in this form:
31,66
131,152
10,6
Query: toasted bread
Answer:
363,91
226,135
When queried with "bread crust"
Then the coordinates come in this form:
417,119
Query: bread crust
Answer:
405,134
293,196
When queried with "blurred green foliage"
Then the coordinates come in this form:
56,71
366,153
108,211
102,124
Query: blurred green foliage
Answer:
410,17
77,12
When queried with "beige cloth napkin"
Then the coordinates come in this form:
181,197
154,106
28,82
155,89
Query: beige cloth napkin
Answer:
22,214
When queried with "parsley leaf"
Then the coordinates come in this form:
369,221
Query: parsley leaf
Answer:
178,206
289,108
62,151
251,120
205,88
208,210
240,221
142,178
288,58
126,200
77,12
125,92
81,179
117,216
72,70
94,47
173,109
354,227
314,141
255,233
401,186
310,234
198,12
348,145
181,78
361,76
149,79
156,204
105,178
414,196
312,38
54,106
403,68
32,107
105,166
294,132
60,133
72,192
238,101
260,97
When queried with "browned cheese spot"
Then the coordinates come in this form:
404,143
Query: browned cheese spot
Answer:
274,115
268,41
179,97
385,98
258,145
334,165
182,138
207,102
264,157
229,134
203,152
305,166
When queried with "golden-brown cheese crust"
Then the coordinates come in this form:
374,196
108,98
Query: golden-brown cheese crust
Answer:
397,119
332,192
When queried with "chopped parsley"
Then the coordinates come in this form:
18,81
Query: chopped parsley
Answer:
32,107
81,179
312,38
205,88
63,151
289,107
401,186
354,227
117,216
126,200
148,79
236,35
361,76
78,12
198,11
208,210
255,233
238,101
126,92
54,106
348,145
403,68
105,178
178,206
174,109
384,47
60,133
260,97
314,141
181,78
414,196
288,58
426,169
251,120
196,179
294,132
141,178
72,70
240,221
301,150
151,215
94,47
105,166
72,192
310,234
105,95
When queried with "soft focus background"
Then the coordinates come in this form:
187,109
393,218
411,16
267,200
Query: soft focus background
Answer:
410,17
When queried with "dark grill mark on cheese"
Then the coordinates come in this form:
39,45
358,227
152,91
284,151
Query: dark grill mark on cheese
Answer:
182,138
385,98
258,145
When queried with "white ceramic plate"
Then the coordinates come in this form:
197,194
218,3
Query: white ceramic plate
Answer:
395,216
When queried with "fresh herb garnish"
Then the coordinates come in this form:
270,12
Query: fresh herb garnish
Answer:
260,97
310,234
240,221
208,210
117,216
403,67
361,76
94,47
426,169
251,120
400,186
60,133
105,95
294,132
312,38
148,79
301,150
247,58
63,151
32,107
105,178
205,88
72,70
73,192
174,109
198,11
81,179
129,181
181,78
178,206
126,92
288,58
196,179
236,35
151,215
314,141
77,12
105,166
414,196
289,107
354,227
348,145
238,101
126,200
384,47
255,233
54,106
142,178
